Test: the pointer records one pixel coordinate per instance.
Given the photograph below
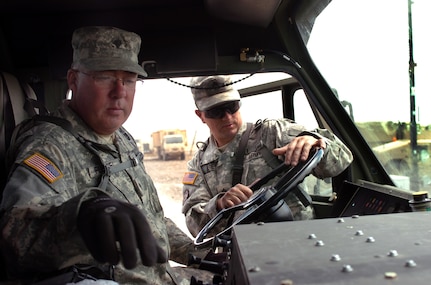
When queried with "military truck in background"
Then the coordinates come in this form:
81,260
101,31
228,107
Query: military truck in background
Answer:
170,144
143,147
390,141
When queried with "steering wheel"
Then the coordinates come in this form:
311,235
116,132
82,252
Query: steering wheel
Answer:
263,199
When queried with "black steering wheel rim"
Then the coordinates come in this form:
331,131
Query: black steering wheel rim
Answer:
259,202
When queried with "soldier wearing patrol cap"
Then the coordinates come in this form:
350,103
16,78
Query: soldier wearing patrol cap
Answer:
212,183
209,92
106,48
78,198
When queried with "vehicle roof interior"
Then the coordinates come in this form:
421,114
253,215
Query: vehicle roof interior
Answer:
181,36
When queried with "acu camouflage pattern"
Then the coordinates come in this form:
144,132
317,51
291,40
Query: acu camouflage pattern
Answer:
211,91
199,199
39,232
101,48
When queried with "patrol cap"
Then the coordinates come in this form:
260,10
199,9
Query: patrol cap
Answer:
212,91
100,48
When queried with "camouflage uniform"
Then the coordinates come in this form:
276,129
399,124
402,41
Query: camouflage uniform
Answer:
200,193
52,174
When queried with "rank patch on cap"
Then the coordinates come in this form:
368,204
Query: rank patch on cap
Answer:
190,177
44,166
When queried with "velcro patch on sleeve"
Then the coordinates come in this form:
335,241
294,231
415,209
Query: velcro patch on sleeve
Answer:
44,167
189,178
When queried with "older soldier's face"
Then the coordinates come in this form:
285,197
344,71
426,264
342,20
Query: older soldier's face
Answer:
103,99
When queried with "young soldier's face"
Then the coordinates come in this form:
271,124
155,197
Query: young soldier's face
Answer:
223,129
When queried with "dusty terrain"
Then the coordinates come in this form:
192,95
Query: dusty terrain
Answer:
167,177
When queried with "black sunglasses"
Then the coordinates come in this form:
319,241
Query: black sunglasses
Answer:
220,111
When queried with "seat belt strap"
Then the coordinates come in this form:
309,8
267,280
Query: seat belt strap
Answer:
239,156
108,169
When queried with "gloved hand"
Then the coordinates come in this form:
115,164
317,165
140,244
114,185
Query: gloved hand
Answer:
103,221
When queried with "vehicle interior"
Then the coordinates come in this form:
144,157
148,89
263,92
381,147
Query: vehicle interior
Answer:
246,39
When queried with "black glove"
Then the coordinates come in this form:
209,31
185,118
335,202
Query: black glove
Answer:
102,221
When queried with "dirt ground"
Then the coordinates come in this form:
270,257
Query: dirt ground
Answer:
167,177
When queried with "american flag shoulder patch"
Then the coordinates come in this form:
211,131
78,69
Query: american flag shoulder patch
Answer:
189,178
44,167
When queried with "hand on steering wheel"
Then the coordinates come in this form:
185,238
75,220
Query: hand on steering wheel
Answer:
236,195
264,198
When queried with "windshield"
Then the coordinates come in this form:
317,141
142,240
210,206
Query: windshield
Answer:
376,57
170,140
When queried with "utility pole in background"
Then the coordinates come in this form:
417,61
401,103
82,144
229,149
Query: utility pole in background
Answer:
414,185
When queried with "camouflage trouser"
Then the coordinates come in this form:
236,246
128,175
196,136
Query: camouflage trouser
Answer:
185,274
